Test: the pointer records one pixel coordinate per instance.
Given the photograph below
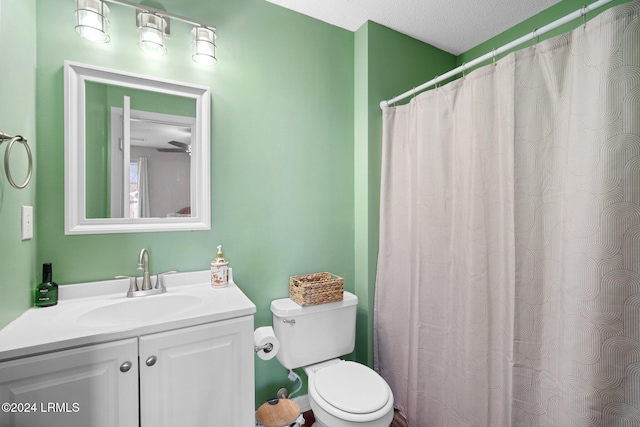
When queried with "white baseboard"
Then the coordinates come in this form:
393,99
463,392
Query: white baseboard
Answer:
303,403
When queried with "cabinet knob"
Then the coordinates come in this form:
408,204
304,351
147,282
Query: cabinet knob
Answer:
151,361
125,367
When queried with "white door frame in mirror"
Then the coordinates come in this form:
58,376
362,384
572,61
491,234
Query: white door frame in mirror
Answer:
76,221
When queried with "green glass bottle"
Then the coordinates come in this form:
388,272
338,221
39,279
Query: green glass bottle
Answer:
46,292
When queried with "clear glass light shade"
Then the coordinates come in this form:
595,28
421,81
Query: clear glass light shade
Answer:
92,21
204,45
152,33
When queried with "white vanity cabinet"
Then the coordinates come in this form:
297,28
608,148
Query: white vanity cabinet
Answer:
195,376
199,376
77,387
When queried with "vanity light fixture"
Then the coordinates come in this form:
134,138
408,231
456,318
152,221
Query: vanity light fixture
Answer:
92,21
153,25
204,45
152,33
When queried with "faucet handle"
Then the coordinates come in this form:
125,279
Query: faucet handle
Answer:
133,284
160,279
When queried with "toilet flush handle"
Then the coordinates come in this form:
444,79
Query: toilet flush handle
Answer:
290,322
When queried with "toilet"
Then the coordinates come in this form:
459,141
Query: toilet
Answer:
341,393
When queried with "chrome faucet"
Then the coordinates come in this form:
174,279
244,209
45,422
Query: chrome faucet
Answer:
143,264
147,288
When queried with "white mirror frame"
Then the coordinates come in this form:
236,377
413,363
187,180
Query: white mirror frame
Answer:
76,222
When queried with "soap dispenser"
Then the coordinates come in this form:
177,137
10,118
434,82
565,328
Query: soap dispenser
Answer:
219,270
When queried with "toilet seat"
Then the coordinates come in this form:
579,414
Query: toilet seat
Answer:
351,391
352,387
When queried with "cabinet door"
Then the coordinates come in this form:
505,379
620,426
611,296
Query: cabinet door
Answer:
202,376
81,387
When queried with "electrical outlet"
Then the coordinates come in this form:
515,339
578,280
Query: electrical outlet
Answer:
27,222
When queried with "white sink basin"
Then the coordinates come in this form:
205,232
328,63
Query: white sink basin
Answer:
99,312
134,311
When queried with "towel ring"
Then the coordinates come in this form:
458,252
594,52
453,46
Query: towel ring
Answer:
7,155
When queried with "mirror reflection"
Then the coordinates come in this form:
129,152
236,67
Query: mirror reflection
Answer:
138,152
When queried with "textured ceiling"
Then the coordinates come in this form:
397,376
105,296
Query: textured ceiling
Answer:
451,25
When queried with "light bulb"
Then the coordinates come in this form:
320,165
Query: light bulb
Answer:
204,45
91,20
152,33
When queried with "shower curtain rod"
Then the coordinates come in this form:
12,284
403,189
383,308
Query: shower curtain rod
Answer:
582,12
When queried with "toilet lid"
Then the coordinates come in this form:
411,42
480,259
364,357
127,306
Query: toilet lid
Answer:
351,387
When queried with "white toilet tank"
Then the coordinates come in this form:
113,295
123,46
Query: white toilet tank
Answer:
314,333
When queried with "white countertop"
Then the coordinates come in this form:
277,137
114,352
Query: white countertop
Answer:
41,330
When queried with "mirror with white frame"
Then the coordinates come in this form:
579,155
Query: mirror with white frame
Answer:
136,153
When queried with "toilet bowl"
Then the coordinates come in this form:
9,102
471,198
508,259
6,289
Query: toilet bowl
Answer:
341,393
346,394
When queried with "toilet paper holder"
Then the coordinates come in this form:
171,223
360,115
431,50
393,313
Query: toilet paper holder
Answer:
265,343
266,348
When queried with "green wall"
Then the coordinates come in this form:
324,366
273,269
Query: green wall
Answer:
386,63
98,150
282,149
296,147
18,272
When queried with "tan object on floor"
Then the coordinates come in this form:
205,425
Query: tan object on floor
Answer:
278,413
399,419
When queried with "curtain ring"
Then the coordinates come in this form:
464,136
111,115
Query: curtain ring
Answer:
7,155
435,83
536,37
583,11
464,69
495,54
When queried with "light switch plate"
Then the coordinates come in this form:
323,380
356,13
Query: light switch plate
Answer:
27,222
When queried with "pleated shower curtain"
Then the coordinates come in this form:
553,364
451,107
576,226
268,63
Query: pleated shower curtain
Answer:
508,281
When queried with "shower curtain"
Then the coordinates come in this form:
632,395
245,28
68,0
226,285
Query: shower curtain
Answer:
508,281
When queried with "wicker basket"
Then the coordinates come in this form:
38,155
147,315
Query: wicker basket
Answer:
317,288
